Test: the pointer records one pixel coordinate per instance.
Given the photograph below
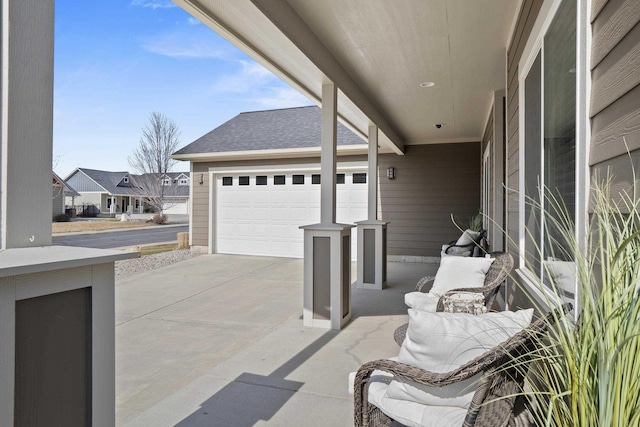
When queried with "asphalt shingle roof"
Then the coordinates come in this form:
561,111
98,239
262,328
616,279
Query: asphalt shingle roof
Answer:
109,181
267,130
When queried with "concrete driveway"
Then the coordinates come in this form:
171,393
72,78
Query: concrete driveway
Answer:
218,341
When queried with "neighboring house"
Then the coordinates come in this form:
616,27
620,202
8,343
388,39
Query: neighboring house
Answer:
60,192
116,192
262,168
542,89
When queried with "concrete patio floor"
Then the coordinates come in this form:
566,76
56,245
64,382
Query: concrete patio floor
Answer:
218,341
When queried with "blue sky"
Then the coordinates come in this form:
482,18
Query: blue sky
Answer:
117,61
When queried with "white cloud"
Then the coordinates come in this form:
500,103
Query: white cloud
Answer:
282,97
185,45
193,22
255,84
250,76
153,4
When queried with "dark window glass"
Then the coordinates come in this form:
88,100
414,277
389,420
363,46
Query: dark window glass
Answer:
359,178
315,178
298,179
227,180
278,180
261,180
243,180
340,178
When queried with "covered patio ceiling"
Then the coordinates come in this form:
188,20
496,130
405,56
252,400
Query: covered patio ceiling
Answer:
378,52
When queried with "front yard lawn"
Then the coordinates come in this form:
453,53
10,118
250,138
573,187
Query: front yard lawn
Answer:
95,225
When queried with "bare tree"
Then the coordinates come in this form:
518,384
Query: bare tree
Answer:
152,159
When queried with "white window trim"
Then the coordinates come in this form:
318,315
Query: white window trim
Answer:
583,131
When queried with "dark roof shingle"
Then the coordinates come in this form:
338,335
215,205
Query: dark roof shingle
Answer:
267,130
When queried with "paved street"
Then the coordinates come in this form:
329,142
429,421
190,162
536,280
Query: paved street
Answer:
116,239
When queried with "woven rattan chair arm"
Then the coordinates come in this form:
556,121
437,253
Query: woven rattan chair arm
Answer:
361,389
423,282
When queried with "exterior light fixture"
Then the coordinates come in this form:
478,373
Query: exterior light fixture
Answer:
391,172
201,178
427,84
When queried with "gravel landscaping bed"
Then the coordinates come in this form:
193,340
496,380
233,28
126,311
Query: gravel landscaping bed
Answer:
152,262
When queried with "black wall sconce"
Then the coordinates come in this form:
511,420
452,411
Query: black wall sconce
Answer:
201,178
391,172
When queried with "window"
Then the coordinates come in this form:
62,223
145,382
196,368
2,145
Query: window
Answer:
279,180
550,142
315,178
298,179
359,178
227,181
125,180
183,181
340,178
261,180
243,180
166,181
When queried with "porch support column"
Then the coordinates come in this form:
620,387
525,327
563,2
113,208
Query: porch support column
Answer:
372,234
327,245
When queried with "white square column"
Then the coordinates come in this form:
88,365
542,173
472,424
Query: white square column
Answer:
372,234
327,245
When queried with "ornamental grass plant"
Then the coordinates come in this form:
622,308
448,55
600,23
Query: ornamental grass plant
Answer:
587,370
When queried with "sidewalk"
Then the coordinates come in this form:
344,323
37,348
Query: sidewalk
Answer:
218,341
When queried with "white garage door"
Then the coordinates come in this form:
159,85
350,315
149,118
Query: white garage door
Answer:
260,214
177,207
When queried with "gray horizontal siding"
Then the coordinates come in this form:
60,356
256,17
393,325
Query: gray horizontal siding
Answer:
432,182
81,183
615,95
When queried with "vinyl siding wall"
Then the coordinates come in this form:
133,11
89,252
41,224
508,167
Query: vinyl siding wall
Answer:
615,90
81,182
57,201
432,182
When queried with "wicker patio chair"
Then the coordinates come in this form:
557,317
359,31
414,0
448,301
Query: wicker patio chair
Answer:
496,275
503,367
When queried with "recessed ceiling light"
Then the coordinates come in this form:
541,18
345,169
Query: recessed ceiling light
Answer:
427,84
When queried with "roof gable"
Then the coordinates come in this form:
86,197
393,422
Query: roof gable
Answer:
287,128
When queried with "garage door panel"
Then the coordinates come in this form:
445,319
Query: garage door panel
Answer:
265,220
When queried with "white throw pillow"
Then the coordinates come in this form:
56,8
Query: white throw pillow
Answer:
459,272
421,301
442,342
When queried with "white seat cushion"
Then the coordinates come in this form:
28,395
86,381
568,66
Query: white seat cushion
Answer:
442,342
406,412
